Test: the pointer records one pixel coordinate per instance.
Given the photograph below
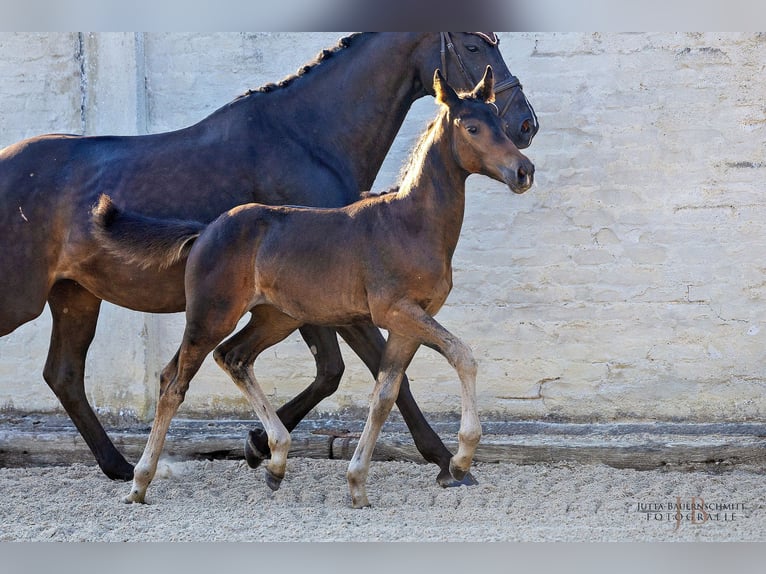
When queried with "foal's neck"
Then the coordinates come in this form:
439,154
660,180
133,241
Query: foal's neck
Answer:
433,188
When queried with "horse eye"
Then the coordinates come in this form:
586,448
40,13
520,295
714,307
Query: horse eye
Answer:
472,129
472,48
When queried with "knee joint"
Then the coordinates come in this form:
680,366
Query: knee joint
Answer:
230,361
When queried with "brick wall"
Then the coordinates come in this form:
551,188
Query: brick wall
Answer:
627,284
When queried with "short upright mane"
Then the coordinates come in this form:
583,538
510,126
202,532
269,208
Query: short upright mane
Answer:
414,160
343,43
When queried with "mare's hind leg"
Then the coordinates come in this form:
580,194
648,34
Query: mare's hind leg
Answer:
396,357
368,343
75,313
329,363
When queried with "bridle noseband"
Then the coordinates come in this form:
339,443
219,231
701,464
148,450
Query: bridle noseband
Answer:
447,45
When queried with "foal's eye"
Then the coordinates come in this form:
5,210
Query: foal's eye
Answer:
472,129
472,48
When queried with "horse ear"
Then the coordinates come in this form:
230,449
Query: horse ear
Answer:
485,89
444,92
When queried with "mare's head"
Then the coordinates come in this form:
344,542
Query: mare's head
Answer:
462,57
479,143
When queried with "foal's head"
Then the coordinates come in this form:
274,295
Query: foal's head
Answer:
478,141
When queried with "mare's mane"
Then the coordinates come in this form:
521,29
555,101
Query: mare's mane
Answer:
325,54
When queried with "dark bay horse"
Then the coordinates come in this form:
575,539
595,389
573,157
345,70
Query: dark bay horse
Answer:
267,261
316,139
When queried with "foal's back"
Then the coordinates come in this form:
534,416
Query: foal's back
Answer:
323,266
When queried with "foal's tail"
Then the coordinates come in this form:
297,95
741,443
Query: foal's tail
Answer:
146,241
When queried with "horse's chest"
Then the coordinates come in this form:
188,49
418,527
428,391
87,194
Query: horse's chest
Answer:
431,287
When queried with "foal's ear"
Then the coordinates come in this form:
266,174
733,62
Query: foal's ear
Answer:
485,89
444,93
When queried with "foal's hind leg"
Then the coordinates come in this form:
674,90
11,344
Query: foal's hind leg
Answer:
367,342
75,312
396,357
198,340
267,327
174,382
323,343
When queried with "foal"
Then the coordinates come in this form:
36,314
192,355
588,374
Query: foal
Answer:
385,258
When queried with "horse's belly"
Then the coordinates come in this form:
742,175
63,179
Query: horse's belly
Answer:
320,303
148,290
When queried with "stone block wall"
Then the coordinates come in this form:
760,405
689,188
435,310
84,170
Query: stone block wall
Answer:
627,284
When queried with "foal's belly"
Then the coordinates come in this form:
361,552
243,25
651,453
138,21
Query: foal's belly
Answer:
319,304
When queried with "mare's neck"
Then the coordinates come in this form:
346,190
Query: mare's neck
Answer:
354,103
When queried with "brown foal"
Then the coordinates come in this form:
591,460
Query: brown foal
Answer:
386,259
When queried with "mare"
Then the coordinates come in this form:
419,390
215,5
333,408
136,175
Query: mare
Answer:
334,122
267,261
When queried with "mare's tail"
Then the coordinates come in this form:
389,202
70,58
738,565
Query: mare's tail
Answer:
145,241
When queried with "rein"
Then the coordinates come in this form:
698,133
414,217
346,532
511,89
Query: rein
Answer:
448,46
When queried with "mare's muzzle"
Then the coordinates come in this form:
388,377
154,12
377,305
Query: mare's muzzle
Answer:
524,125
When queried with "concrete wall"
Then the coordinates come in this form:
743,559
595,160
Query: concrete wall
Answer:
627,284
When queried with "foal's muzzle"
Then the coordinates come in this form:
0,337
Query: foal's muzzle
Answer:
520,176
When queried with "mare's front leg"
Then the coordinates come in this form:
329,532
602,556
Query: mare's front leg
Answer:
396,357
75,313
368,343
267,327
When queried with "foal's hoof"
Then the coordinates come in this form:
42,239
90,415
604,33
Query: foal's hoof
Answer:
256,448
273,481
459,474
446,480
360,502
134,497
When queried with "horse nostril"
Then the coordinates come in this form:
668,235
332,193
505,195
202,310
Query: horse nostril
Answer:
524,173
526,127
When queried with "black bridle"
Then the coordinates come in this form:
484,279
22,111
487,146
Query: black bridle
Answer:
510,83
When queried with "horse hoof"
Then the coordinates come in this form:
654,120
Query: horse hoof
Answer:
254,455
361,503
456,472
134,497
446,480
273,481
121,471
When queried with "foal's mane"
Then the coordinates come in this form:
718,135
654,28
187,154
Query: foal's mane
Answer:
325,54
418,150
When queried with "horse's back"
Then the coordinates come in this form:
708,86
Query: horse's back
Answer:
300,260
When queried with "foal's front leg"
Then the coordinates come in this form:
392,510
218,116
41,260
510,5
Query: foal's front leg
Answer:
412,321
368,343
396,358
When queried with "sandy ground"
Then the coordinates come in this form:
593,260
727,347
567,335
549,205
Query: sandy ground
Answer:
226,501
